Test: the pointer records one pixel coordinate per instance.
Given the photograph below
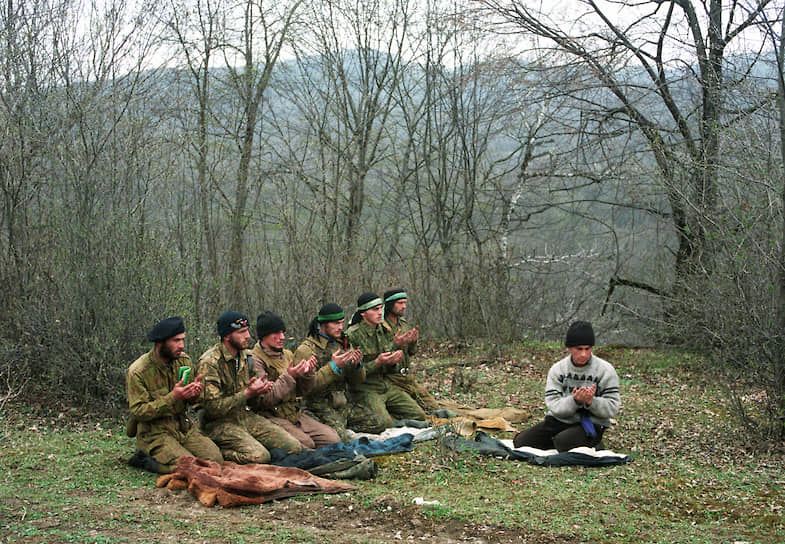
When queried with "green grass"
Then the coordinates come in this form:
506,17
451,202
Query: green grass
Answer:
64,478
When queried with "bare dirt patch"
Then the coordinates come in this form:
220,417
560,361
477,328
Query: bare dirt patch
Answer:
338,520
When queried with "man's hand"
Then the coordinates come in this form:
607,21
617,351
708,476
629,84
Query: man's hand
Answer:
357,357
351,357
257,386
185,392
407,338
584,395
390,358
302,368
342,358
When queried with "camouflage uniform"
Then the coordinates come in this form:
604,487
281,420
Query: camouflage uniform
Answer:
328,398
163,430
403,376
283,404
228,418
376,401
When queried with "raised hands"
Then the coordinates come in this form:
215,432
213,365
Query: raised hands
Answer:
185,392
303,367
409,337
584,395
257,386
351,357
390,358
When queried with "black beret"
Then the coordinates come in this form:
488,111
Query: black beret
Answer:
165,329
231,321
268,323
580,333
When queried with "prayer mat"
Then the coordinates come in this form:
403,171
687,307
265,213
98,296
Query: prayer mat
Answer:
487,445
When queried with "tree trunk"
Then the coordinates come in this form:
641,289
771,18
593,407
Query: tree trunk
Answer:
779,362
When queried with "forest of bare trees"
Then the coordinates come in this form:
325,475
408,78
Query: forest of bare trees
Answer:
514,165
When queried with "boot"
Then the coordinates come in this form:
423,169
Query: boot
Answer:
143,461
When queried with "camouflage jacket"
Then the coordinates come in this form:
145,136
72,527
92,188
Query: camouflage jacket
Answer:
401,327
372,341
225,380
327,380
284,400
149,384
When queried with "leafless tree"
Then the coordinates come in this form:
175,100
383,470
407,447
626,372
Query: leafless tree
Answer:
662,65
196,29
256,42
354,59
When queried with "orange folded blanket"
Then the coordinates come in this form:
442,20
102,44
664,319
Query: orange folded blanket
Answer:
230,484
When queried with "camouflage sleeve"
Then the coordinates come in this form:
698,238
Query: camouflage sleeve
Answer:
149,398
324,377
370,353
217,402
372,369
303,352
369,350
411,347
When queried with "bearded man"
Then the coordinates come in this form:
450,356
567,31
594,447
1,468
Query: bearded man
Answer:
233,390
158,395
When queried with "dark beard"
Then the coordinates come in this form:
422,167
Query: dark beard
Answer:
236,345
166,353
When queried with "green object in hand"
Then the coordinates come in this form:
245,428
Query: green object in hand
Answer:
184,374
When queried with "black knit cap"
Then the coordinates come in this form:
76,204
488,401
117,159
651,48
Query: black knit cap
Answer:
330,312
268,323
165,329
580,333
231,321
391,297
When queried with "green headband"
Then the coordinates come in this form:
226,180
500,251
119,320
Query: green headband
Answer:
396,296
370,304
330,317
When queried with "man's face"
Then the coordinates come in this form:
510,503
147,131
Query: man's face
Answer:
374,316
172,348
239,339
333,329
580,354
399,307
273,341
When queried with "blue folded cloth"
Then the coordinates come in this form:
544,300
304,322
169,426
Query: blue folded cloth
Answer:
332,452
588,425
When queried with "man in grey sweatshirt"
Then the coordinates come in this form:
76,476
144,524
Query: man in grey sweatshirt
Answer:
581,394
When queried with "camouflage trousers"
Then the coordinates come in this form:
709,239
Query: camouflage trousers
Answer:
248,438
419,393
167,448
373,410
335,418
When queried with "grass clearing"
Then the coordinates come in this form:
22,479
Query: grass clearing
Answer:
63,476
